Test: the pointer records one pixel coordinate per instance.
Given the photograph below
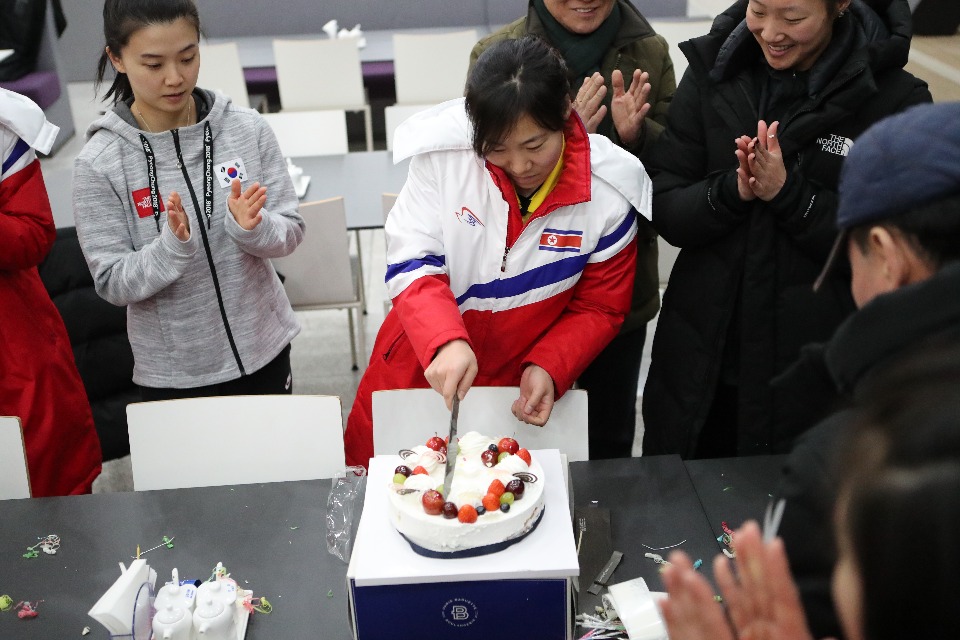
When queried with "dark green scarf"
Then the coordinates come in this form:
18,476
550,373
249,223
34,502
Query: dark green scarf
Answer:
582,53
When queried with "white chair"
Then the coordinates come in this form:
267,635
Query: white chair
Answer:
321,74
666,256
221,71
395,114
387,200
14,475
406,417
321,274
310,133
432,67
201,442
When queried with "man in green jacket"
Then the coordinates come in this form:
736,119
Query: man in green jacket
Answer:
623,80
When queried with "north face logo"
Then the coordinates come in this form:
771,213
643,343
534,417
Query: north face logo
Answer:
835,144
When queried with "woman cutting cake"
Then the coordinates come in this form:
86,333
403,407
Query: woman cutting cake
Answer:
510,250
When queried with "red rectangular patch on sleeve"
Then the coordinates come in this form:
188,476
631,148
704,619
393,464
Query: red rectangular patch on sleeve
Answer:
141,199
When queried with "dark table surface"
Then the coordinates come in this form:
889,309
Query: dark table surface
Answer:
652,504
271,538
734,490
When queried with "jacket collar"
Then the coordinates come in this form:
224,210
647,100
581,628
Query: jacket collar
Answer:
633,25
121,122
573,185
883,328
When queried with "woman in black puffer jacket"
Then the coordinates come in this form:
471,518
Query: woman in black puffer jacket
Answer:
752,206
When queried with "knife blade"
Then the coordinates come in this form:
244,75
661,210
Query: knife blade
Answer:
451,443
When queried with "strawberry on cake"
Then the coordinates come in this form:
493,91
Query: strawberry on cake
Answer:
496,496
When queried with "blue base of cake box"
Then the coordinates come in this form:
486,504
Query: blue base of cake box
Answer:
473,610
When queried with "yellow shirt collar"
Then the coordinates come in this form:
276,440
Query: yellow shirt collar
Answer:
541,194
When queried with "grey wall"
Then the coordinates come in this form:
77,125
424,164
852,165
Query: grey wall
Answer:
284,17
82,42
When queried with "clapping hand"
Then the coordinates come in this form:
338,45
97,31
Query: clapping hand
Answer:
761,599
177,217
629,108
691,613
536,399
453,370
245,206
588,103
760,171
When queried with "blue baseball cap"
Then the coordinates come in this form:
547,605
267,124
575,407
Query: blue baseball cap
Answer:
898,164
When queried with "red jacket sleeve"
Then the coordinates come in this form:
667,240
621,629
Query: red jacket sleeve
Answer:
430,316
601,300
26,222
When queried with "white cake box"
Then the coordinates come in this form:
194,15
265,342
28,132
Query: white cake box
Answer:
522,591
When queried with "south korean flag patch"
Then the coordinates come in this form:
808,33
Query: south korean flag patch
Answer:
226,172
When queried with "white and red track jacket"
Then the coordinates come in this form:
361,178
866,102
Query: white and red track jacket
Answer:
461,263
39,382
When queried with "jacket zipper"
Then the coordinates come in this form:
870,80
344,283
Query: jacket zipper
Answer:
206,247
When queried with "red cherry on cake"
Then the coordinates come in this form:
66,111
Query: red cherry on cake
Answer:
524,455
436,443
488,457
467,514
516,487
509,445
403,470
449,510
432,502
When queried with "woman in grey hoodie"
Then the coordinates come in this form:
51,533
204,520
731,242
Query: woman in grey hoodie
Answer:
170,201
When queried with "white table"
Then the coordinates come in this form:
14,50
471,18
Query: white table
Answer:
361,177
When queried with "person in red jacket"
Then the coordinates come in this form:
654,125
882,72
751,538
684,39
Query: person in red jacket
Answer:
510,250
39,382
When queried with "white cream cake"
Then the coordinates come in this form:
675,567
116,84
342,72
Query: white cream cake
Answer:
481,523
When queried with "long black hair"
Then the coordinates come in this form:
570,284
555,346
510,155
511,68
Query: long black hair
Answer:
513,78
123,18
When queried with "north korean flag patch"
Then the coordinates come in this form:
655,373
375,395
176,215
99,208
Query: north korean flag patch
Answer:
141,199
227,171
561,240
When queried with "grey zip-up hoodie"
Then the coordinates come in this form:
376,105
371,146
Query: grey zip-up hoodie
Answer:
210,309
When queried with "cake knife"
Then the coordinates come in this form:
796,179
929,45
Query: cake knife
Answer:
451,443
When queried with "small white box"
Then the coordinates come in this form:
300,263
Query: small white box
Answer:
524,590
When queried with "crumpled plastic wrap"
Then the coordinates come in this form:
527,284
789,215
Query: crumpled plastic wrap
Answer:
346,495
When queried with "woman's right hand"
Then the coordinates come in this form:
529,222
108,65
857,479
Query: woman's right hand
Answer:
589,102
177,217
453,370
743,169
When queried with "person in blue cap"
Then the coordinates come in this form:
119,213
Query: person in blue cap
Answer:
899,220
897,502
